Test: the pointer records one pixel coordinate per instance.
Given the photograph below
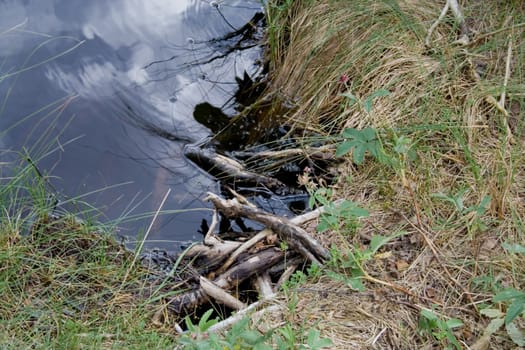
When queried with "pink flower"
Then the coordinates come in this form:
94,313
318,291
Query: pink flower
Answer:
344,78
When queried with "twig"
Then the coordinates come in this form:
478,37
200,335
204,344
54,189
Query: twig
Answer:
214,221
436,23
244,247
219,327
296,237
263,284
456,10
507,73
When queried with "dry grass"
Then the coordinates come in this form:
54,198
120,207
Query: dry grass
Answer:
442,98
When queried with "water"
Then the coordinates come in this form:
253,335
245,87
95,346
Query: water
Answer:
101,95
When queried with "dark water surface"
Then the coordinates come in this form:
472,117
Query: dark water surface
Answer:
101,94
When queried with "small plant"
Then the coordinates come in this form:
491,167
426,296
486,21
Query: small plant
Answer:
514,300
360,142
346,211
472,215
352,263
287,339
240,336
439,329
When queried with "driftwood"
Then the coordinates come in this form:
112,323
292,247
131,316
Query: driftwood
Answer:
226,168
293,235
220,266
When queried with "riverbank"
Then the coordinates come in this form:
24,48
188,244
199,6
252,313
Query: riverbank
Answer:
428,123
425,251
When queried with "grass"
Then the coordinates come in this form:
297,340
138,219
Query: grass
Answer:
446,166
64,284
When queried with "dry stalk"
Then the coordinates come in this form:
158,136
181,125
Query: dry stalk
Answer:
437,255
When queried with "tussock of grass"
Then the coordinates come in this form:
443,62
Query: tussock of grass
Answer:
442,99
63,283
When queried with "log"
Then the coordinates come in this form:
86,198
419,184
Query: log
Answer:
297,238
226,168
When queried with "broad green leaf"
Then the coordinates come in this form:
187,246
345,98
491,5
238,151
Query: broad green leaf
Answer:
356,283
515,334
508,294
494,326
380,93
260,346
378,241
514,310
367,104
359,155
314,342
344,148
350,96
429,315
368,134
251,336
351,133
514,248
454,323
492,313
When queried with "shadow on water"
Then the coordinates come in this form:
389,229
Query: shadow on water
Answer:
103,100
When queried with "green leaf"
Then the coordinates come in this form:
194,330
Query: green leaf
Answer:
344,148
514,248
251,336
508,294
351,133
429,315
368,134
515,334
351,97
514,310
492,313
367,104
378,241
454,323
204,323
494,326
359,155
314,342
356,283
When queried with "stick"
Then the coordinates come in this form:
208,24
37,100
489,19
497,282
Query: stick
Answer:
263,284
436,23
215,292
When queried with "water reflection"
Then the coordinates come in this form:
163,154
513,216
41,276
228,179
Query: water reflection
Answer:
140,69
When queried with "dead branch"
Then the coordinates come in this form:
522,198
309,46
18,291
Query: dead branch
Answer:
226,168
294,236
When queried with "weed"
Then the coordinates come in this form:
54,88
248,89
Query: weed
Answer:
514,301
344,211
440,329
360,142
348,266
